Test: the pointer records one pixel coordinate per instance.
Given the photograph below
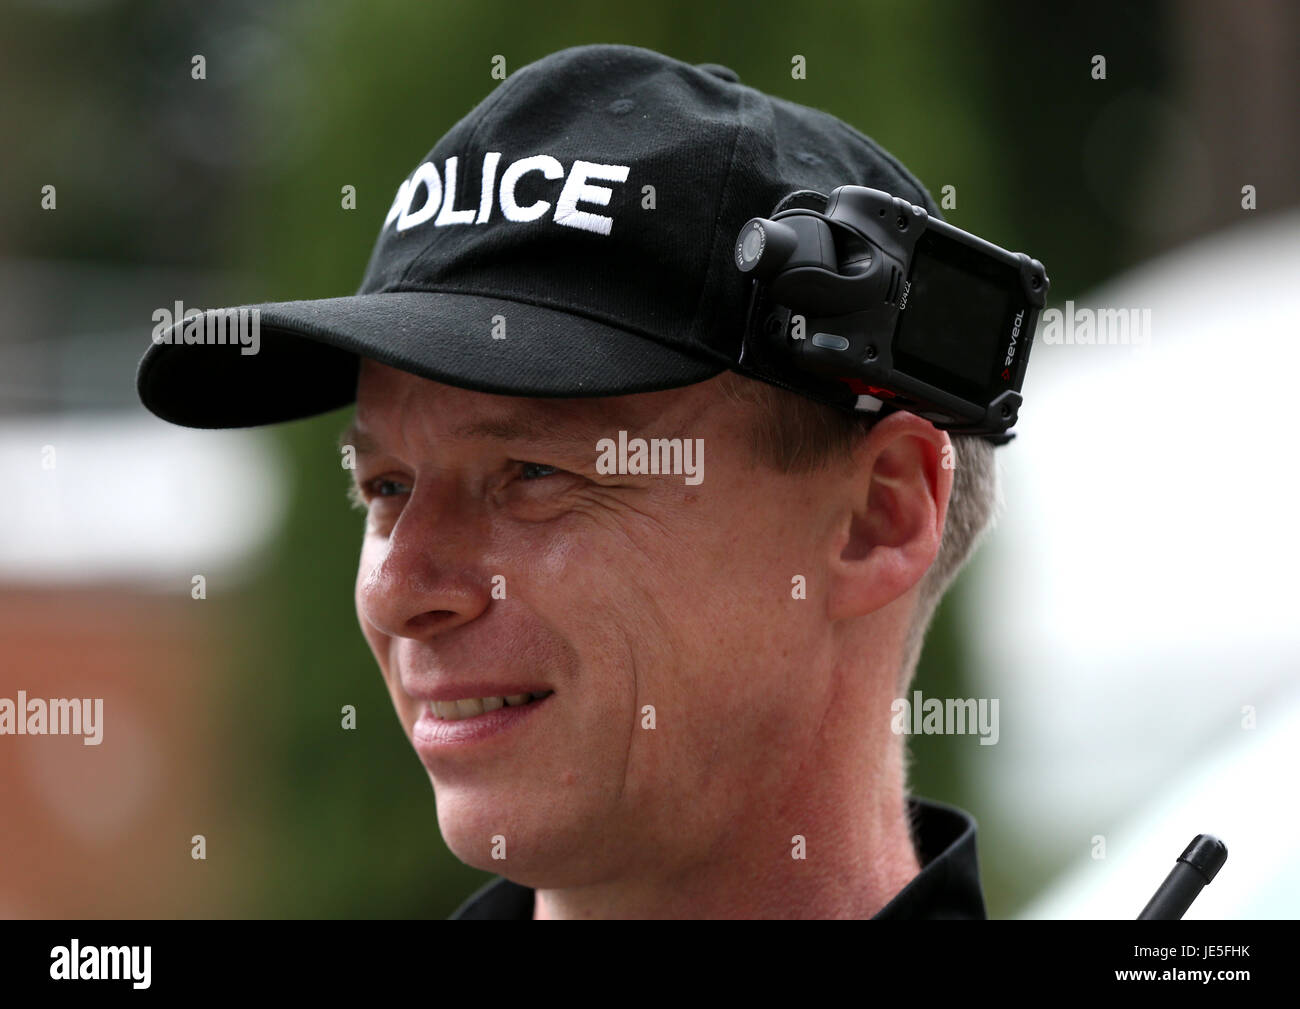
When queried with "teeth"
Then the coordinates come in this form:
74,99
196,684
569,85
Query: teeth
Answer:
445,709
469,707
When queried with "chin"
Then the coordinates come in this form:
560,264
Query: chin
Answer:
473,825
540,851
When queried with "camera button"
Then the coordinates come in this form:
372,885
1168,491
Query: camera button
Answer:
830,341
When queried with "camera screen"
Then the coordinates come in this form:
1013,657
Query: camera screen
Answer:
958,309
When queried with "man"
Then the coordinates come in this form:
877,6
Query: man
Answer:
642,615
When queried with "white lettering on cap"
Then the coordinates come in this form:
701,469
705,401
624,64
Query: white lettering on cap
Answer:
427,174
399,202
543,163
576,188
447,215
490,160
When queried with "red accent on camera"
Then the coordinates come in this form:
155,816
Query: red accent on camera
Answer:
861,388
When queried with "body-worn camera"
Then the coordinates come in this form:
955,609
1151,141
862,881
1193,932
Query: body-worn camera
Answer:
871,304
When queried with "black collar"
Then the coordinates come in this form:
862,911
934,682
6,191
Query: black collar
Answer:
948,885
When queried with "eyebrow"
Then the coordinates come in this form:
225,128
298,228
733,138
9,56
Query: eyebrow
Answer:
546,432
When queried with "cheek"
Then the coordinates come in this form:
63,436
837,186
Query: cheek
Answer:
644,605
591,592
722,594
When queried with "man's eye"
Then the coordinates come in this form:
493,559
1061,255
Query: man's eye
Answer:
535,470
383,487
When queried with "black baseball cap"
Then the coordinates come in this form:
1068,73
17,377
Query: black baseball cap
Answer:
571,236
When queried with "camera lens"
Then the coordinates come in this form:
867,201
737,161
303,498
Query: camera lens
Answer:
763,247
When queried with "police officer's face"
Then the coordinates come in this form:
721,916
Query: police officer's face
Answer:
653,615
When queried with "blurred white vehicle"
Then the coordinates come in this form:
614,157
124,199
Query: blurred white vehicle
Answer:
1137,612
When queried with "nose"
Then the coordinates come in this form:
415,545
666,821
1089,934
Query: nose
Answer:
425,579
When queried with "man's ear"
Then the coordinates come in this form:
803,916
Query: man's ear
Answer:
897,500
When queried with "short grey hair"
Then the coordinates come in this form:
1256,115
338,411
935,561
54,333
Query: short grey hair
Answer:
795,434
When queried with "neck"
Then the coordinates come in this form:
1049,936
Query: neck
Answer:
855,856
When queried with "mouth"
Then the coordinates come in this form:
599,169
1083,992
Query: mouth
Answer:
472,707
